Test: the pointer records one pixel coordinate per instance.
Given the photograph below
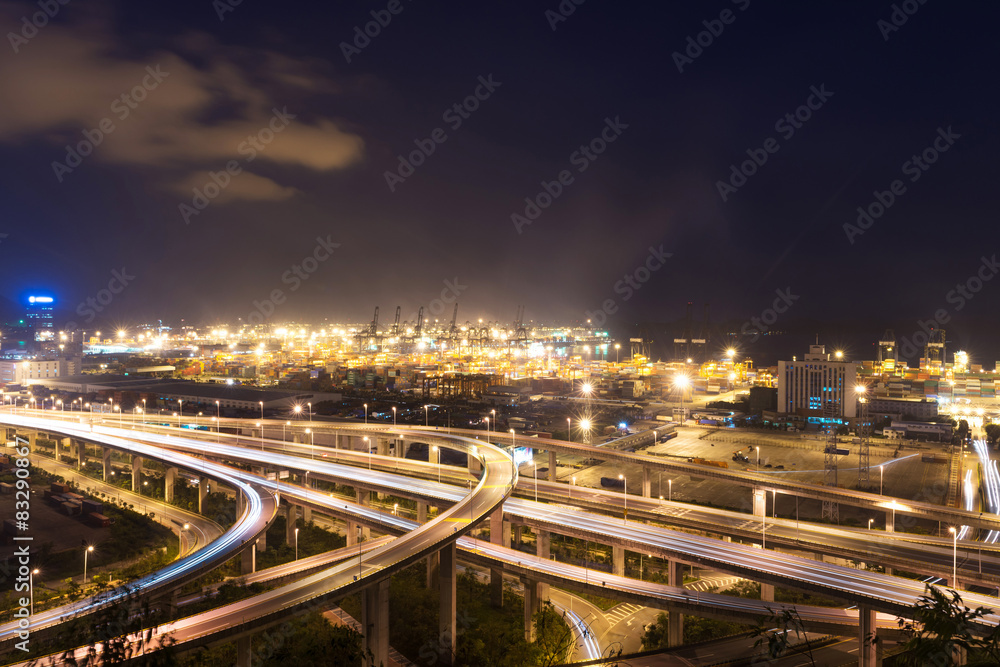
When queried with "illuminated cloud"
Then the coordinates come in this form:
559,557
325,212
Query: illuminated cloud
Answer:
207,100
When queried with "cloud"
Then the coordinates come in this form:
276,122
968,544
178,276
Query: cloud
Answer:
208,100
245,186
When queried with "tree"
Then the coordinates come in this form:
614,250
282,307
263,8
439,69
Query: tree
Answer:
942,625
992,434
118,632
775,632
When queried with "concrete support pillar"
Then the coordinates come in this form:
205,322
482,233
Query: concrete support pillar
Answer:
553,467
262,542
421,512
62,444
889,518
474,465
352,533
136,473
32,436
202,492
645,482
532,605
307,514
375,621
433,562
106,459
516,538
290,516
618,558
168,484
759,502
80,451
449,599
867,653
244,657
675,573
543,549
675,628
675,620
248,561
496,574
382,447
767,592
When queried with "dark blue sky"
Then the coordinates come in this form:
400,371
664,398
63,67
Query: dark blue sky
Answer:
656,184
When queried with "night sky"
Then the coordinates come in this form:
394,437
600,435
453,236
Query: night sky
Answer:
309,118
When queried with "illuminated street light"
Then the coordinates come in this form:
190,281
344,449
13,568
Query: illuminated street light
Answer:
954,557
31,589
86,552
366,414
625,496
617,347
296,543
180,542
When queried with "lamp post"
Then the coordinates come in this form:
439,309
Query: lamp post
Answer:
394,416
261,403
954,557
180,411
368,446
312,452
618,346
426,417
261,427
296,543
571,486
310,411
670,490
86,552
625,496
487,429
870,523
569,429
180,539
534,473
31,589
366,414
758,457
881,478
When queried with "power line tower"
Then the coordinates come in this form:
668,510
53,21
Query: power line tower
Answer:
864,447
831,509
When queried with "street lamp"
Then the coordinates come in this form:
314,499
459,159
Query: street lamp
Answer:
870,523
86,552
394,416
426,417
569,429
180,542
366,414
881,478
618,346
261,403
312,451
534,473
296,543
954,557
670,490
310,411
369,448
261,427
31,589
571,486
625,496
758,457
298,410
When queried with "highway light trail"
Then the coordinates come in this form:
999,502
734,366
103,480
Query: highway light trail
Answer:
991,486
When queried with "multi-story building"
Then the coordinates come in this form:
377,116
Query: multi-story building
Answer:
32,370
817,388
